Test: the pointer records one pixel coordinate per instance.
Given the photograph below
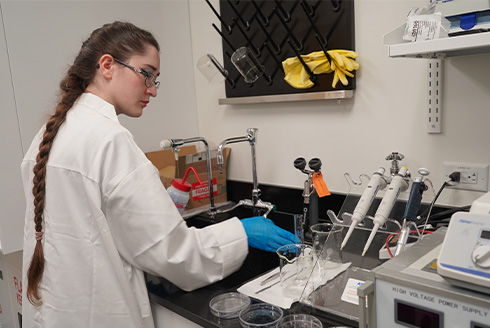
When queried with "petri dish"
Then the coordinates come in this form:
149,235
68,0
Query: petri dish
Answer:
299,321
261,315
228,305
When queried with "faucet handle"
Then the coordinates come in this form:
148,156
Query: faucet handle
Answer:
300,163
315,164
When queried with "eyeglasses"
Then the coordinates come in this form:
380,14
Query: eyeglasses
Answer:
150,78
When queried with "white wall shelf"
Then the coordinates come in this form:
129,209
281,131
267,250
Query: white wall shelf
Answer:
464,45
435,51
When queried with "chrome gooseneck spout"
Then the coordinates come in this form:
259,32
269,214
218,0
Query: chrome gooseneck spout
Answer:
251,137
175,144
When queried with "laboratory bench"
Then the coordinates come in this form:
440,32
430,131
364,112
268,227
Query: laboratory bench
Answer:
194,305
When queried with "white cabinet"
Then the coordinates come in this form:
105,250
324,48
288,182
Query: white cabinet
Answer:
12,202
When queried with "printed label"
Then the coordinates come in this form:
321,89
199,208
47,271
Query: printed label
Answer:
201,191
350,291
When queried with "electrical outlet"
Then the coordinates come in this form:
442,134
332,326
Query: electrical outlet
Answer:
473,176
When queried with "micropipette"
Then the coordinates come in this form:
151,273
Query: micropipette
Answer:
413,204
376,183
397,185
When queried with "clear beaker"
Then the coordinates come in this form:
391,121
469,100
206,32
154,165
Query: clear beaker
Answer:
211,69
247,64
327,239
295,263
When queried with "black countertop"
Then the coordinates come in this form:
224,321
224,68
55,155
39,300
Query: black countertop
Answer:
194,305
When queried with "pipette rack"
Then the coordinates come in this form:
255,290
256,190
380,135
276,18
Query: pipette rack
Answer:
393,223
333,296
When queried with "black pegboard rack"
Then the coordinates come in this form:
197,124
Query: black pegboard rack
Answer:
279,29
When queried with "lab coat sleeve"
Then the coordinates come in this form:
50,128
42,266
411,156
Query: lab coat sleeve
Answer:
151,235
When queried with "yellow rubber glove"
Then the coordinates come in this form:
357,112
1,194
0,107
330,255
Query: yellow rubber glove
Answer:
297,76
342,64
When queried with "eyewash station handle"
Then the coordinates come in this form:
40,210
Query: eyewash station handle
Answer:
314,187
175,145
255,202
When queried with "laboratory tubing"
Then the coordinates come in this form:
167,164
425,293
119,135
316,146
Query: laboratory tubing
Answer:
375,184
397,185
179,191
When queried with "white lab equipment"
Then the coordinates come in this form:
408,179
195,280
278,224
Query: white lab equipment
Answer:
398,184
465,255
376,183
407,291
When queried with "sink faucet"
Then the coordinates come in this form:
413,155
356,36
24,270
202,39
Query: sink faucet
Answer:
175,145
251,137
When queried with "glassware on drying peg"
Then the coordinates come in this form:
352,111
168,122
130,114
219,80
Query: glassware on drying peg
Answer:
247,64
211,69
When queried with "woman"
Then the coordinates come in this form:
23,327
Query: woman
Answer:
97,214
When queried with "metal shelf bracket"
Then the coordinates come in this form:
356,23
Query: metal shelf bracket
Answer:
435,95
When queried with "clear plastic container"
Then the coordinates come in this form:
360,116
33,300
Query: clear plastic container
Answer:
299,321
179,192
261,315
228,305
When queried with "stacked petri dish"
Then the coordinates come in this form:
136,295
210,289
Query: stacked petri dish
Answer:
228,305
261,315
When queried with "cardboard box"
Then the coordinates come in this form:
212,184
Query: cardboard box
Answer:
11,290
171,168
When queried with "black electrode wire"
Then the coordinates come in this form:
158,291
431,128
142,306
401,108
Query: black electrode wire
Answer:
446,214
431,205
429,209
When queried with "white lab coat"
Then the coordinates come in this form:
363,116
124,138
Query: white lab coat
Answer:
107,219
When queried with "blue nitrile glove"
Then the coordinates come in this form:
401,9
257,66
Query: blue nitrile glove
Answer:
263,234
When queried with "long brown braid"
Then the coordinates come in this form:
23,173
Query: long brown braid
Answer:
119,39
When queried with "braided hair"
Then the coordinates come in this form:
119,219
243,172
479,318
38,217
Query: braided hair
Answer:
119,39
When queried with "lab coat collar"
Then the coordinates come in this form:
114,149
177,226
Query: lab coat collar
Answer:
98,104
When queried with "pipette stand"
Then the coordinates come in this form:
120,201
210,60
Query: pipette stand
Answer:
335,296
392,224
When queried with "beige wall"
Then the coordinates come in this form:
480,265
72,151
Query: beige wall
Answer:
387,113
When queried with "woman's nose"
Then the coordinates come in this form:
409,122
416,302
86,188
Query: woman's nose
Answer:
152,90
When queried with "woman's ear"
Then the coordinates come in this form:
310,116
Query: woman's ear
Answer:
106,66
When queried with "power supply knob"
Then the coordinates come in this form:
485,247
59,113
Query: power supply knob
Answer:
481,256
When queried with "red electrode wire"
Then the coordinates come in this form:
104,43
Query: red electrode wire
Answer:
388,239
